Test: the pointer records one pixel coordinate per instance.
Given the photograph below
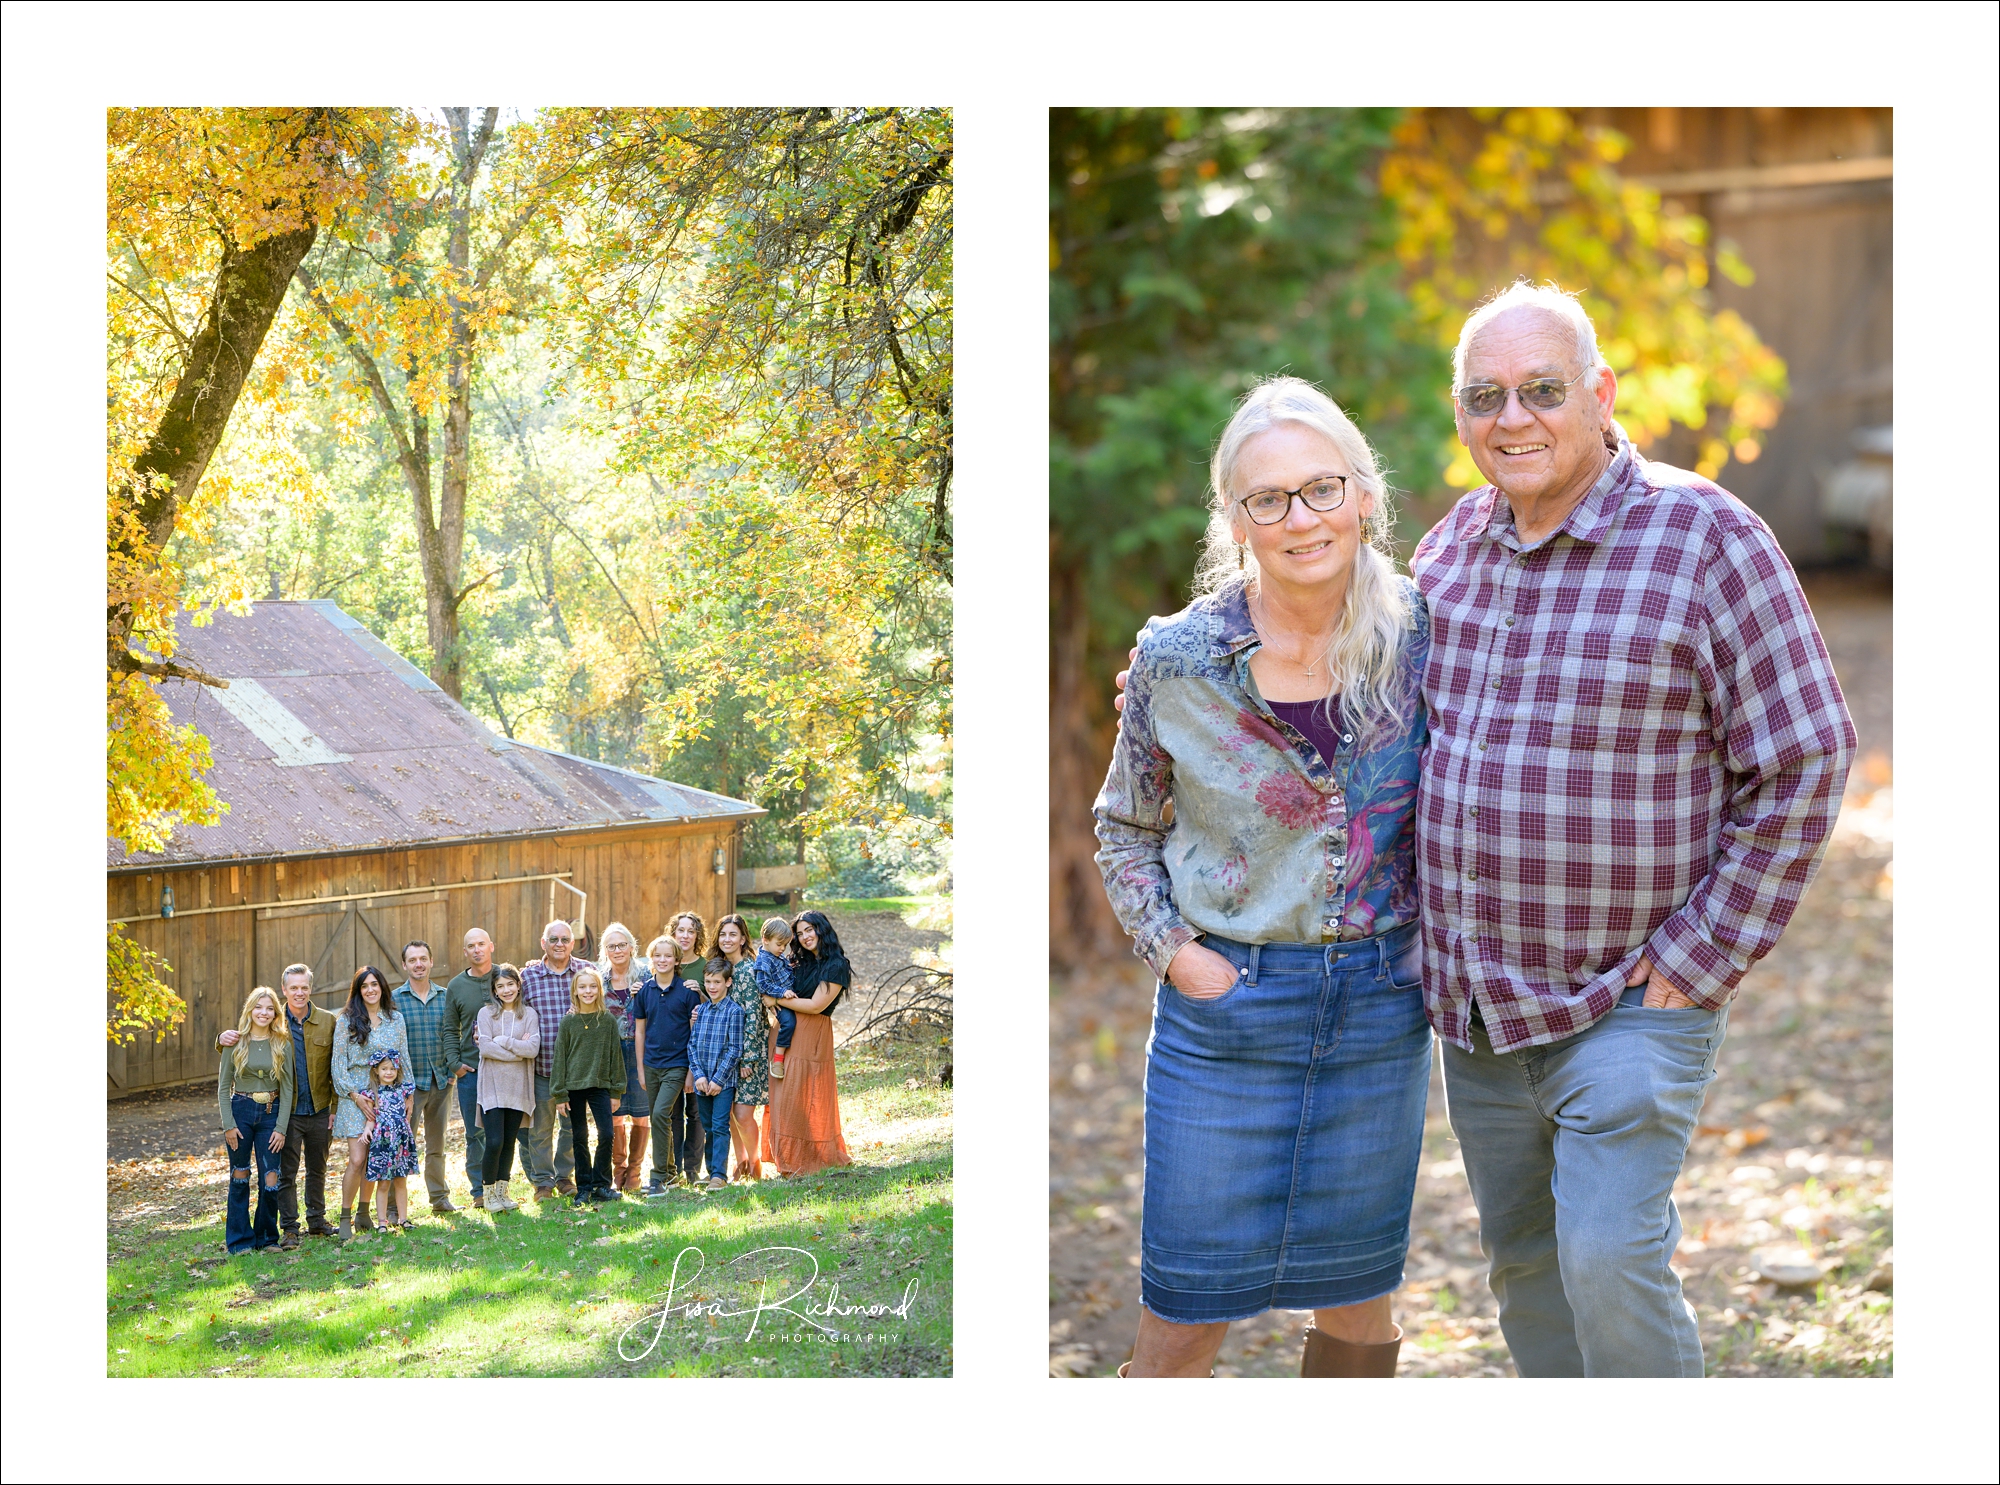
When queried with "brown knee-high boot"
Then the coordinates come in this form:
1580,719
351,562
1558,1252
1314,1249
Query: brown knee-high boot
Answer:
621,1129
1328,1356
635,1157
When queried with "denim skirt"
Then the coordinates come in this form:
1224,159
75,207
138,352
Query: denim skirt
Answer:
1284,1123
634,1100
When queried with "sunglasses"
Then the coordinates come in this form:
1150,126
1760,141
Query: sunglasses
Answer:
1268,507
1543,393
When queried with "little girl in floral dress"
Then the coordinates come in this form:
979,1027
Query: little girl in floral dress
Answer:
392,1144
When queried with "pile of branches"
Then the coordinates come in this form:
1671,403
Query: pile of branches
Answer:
914,1005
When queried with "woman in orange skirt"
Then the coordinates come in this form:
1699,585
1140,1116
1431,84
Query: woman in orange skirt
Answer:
802,1132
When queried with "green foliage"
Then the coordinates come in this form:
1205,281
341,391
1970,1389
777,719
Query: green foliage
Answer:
1194,252
140,999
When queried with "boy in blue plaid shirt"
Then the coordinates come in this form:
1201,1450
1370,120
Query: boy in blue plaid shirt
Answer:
714,1048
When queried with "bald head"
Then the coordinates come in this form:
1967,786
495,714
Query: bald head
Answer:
478,951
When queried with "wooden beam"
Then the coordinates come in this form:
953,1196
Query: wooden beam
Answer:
1747,178
310,903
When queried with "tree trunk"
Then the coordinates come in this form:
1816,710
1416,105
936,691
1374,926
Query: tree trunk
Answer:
249,287
1081,925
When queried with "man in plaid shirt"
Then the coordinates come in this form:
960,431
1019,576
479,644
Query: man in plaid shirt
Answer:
545,985
1637,751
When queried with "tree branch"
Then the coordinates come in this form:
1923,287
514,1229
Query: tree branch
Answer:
123,662
406,455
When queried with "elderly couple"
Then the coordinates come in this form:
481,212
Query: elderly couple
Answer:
1551,800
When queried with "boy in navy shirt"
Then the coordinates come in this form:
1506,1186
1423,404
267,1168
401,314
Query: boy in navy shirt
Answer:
662,1011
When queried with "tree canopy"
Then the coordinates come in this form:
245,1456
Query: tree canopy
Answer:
632,426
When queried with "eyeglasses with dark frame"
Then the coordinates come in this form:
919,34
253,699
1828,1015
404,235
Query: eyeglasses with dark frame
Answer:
1268,507
1543,393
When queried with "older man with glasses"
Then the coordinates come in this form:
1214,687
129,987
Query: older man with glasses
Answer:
1637,752
545,985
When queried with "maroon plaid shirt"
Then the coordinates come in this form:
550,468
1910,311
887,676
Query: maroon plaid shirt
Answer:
1636,743
548,992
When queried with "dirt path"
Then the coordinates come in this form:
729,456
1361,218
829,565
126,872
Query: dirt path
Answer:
1795,1146
175,1123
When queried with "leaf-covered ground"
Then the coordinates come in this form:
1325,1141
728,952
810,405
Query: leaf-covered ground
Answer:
1795,1151
552,1291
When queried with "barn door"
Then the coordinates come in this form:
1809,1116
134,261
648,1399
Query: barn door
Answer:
384,924
317,933
337,938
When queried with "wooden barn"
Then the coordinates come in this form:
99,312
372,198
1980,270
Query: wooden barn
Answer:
367,809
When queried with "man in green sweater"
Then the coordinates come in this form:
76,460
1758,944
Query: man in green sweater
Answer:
470,990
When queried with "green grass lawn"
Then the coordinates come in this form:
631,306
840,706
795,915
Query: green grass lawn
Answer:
844,905
561,1292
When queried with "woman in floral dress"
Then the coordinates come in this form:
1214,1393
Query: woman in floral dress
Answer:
753,1073
370,1023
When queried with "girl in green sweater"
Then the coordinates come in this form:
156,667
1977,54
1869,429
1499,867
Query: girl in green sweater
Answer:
589,1071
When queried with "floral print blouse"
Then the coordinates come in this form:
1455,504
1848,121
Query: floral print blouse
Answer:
1217,817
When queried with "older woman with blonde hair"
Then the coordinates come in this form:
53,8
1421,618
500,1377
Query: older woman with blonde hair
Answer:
254,1091
1257,832
624,977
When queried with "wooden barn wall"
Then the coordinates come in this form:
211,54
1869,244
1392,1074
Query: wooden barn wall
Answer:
637,876
1822,296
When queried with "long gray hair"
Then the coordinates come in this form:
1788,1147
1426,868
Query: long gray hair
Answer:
1376,620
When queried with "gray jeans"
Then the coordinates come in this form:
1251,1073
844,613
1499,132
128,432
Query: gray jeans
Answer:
537,1163
430,1111
1572,1150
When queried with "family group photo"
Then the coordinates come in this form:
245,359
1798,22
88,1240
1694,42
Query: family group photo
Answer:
529,699
1471,782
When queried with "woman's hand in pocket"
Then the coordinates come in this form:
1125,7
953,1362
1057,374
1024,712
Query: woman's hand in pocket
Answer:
1200,973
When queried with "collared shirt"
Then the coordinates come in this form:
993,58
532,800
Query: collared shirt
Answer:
716,1044
666,1007
1637,744
547,990
430,1044
1268,841
302,1098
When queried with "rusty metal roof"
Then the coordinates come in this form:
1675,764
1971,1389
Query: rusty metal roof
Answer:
328,740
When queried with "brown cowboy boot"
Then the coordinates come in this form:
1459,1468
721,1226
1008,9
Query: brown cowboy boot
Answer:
621,1131
1328,1356
635,1157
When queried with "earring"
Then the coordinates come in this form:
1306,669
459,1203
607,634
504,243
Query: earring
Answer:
1240,563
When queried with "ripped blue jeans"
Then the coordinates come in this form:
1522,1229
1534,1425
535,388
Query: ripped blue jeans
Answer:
254,1125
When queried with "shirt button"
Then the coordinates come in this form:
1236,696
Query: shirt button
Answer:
1510,621
1472,876
1496,685
1482,747
1473,811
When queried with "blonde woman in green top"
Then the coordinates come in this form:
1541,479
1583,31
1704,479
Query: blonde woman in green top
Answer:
589,1071
254,1099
